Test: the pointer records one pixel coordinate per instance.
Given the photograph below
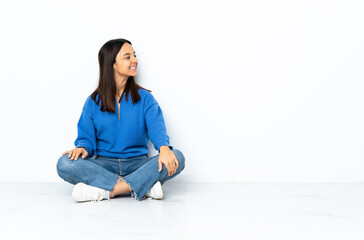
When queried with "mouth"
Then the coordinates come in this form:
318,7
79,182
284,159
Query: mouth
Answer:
133,68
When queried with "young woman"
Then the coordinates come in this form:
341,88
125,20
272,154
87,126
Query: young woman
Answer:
117,121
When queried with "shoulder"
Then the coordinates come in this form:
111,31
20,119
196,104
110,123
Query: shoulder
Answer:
147,99
145,95
92,100
143,92
90,103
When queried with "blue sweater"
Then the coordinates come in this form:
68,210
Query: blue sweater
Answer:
102,133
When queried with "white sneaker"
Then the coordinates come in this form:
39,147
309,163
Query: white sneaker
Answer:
156,191
83,193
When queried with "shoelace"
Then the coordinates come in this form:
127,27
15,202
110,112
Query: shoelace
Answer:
100,196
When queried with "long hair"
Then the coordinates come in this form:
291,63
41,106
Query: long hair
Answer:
106,88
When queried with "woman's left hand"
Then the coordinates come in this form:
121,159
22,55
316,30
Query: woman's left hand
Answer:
167,157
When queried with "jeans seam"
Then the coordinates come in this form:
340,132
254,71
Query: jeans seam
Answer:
119,166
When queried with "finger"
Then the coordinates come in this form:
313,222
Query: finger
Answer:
73,155
167,167
65,152
160,165
84,154
174,166
170,169
78,152
174,163
177,163
171,165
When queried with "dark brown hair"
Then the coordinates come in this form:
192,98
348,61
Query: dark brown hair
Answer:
106,88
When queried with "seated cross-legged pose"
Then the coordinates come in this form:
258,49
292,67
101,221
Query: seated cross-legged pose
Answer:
117,121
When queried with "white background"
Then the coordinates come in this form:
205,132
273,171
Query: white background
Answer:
251,91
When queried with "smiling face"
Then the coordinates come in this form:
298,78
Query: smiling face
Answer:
125,62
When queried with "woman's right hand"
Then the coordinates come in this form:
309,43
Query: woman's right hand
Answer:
75,153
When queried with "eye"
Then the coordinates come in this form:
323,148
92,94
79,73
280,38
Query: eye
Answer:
129,57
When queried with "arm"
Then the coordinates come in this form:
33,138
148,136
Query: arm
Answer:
158,134
86,132
155,125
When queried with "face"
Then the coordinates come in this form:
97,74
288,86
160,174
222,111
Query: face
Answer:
125,63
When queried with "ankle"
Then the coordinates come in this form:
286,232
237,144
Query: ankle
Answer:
111,194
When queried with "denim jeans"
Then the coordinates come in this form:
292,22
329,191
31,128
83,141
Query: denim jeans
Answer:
139,172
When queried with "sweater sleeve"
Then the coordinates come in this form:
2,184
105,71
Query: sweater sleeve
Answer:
86,131
155,123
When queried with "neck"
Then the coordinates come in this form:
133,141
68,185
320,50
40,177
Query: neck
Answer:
120,83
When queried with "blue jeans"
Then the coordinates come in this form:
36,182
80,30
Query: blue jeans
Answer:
139,172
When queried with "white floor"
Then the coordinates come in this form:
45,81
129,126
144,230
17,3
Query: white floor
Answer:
188,211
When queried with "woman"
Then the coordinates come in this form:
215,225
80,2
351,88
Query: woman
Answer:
117,121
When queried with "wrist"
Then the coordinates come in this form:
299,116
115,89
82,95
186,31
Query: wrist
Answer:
164,148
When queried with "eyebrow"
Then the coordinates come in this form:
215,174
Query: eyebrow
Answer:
128,53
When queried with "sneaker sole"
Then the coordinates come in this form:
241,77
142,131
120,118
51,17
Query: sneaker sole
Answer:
160,195
75,189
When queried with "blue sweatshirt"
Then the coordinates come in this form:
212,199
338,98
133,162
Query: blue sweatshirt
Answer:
103,133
